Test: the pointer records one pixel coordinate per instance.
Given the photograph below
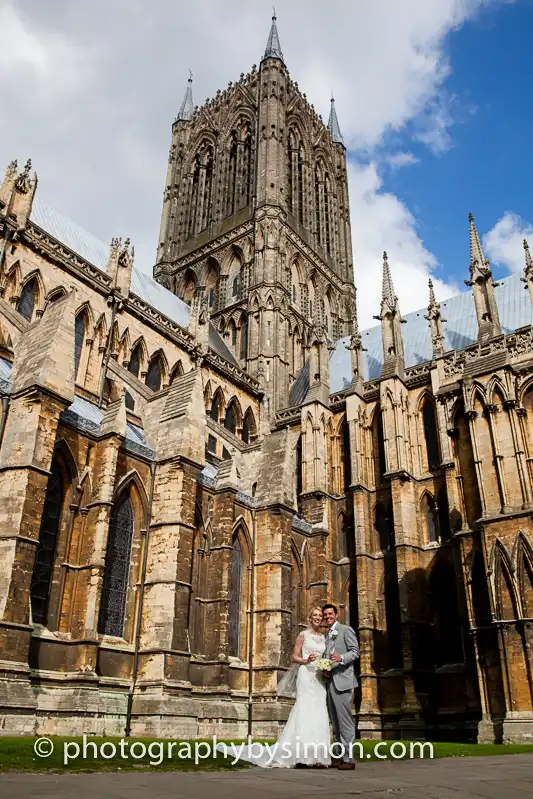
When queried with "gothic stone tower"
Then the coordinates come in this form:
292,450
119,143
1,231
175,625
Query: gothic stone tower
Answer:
256,215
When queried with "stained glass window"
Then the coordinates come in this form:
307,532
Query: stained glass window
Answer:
46,548
234,605
117,569
79,337
27,299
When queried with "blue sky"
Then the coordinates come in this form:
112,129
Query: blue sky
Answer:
428,93
487,169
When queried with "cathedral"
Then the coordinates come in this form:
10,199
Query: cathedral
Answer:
189,462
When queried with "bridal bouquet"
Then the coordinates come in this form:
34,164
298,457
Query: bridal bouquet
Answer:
324,665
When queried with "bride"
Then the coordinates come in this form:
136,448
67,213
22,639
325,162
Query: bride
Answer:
305,739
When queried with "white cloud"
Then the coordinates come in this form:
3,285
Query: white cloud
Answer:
90,91
380,222
504,242
400,159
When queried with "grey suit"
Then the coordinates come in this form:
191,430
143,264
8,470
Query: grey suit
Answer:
341,685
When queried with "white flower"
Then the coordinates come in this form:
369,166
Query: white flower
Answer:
334,634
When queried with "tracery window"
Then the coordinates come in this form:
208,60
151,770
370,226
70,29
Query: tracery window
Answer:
79,338
28,298
117,569
134,364
153,376
46,548
234,596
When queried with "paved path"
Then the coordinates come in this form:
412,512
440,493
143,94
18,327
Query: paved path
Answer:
505,777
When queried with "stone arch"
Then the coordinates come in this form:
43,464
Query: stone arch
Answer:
45,577
189,286
428,415
249,427
12,281
138,359
503,583
464,455
239,590
53,295
121,564
429,518
523,564
157,374
217,411
31,299
211,281
176,371
233,417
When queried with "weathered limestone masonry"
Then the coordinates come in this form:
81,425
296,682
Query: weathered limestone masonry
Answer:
189,464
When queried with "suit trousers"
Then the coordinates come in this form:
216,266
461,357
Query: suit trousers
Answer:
342,720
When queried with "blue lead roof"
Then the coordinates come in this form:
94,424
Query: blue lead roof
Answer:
461,329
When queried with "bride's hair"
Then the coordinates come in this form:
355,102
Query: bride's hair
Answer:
313,610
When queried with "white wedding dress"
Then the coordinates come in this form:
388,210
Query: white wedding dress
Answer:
306,735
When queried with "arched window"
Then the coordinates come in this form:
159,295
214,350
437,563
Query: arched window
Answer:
117,570
177,371
201,189
130,402
327,209
46,548
216,406
211,282
318,204
429,518
234,598
233,333
431,435
239,168
79,337
230,422
248,426
153,376
465,455
190,287
134,365
28,298
244,337
378,444
296,594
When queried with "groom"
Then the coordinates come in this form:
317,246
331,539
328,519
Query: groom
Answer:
342,648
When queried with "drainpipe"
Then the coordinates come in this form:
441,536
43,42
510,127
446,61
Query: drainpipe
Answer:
138,627
107,355
251,640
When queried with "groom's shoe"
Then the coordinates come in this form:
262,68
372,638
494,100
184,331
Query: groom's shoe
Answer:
345,766
336,762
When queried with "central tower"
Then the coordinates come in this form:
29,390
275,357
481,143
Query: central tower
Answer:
256,215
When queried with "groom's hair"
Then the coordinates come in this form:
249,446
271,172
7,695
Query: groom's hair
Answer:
329,605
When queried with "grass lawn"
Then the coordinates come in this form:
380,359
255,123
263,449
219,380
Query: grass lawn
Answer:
17,754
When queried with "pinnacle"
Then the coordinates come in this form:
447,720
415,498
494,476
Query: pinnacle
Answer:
476,251
273,48
186,109
388,288
333,124
529,260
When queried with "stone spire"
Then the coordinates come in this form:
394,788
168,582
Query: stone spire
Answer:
186,109
483,287
528,270
333,124
434,317
273,48
391,320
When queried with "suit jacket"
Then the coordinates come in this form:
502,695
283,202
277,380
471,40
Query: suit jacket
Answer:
345,643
